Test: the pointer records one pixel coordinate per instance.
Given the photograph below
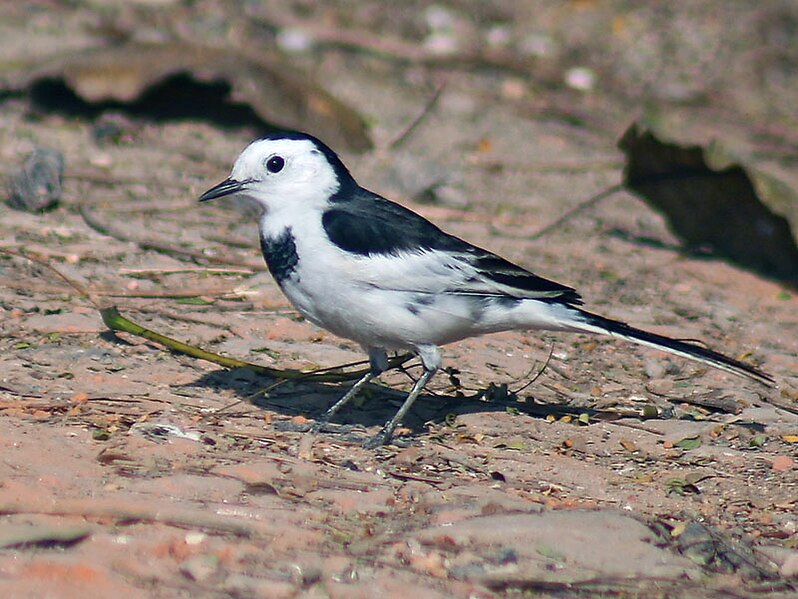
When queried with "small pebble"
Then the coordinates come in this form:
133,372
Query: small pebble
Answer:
499,36
294,41
200,568
439,17
113,129
581,79
37,186
537,45
782,463
789,568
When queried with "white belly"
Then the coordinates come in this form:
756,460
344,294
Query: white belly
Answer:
392,302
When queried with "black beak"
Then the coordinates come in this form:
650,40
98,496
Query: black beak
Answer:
225,188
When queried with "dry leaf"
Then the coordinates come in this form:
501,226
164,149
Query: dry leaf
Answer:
688,443
628,445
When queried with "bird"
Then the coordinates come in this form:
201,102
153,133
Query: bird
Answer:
373,271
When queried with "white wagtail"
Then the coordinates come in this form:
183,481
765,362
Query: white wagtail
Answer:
370,270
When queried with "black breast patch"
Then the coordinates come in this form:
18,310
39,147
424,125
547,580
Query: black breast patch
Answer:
280,254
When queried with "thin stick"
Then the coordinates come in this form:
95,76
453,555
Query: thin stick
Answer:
182,269
104,228
406,50
431,104
215,291
546,167
116,180
539,373
119,511
82,291
116,322
576,210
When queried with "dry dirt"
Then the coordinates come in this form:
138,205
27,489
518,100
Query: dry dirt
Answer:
127,469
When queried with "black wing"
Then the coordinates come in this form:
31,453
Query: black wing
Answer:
368,224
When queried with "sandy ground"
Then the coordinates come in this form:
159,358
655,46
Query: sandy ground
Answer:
130,470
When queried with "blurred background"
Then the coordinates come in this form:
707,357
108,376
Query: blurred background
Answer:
587,61
643,152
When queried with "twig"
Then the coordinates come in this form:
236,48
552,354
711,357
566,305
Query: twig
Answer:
117,510
229,240
538,374
82,291
185,269
721,404
601,586
151,206
11,391
210,292
116,322
105,228
407,50
265,390
421,479
545,167
110,180
428,108
216,291
638,427
782,405
576,210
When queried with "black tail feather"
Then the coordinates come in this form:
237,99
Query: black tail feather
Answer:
599,324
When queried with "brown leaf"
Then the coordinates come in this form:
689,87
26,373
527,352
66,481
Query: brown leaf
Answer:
628,445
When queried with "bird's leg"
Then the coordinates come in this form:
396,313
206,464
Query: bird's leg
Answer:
378,361
431,359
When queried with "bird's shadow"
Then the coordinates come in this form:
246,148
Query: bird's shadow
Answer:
376,405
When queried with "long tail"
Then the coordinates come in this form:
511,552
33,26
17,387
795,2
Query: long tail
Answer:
593,323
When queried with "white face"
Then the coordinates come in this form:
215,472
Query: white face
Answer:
277,172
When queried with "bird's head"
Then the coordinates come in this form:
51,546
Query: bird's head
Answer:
286,168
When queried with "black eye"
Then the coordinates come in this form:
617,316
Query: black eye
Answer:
275,164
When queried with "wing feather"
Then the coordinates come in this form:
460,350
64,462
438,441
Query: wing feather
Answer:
408,252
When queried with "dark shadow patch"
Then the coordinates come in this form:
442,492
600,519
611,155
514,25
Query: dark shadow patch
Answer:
176,98
311,399
179,80
712,200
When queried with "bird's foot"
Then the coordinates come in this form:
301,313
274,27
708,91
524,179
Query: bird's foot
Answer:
384,437
316,427
377,440
292,427
329,427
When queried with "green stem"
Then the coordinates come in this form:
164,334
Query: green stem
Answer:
116,322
